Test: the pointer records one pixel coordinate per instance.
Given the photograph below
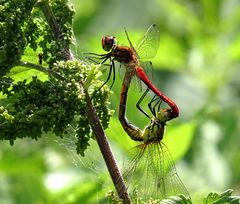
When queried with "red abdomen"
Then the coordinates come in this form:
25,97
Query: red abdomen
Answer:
142,75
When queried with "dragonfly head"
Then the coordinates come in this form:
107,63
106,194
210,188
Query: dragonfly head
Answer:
109,42
163,115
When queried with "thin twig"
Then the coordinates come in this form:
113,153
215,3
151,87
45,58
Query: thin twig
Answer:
106,151
40,68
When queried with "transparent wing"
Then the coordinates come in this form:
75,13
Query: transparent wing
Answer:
169,184
147,46
152,173
148,69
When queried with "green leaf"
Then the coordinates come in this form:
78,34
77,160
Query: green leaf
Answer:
225,197
181,199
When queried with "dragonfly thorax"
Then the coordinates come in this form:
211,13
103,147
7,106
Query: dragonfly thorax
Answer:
123,54
154,131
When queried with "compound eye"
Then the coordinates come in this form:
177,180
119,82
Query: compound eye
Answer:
109,42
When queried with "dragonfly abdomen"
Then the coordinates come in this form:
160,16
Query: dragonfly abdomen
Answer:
142,75
133,132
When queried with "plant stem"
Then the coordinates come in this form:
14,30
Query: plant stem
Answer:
40,68
106,151
55,27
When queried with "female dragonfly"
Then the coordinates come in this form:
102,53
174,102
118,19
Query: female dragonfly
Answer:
152,168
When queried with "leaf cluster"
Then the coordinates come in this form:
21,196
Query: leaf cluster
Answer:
29,108
13,15
38,24
52,105
212,198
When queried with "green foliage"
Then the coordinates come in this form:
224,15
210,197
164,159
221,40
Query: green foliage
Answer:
213,198
34,106
176,200
225,197
136,199
42,106
22,24
12,37
55,45
48,100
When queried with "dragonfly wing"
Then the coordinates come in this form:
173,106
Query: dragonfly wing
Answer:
148,69
172,184
148,45
152,173
130,170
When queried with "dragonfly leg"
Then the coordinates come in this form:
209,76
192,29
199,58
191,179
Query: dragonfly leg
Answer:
112,66
109,75
158,103
150,105
104,59
92,60
94,57
140,100
95,54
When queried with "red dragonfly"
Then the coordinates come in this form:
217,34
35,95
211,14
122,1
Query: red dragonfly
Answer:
130,56
151,170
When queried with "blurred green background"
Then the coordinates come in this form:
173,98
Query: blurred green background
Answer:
197,66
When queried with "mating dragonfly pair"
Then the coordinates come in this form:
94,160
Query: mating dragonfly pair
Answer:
159,179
